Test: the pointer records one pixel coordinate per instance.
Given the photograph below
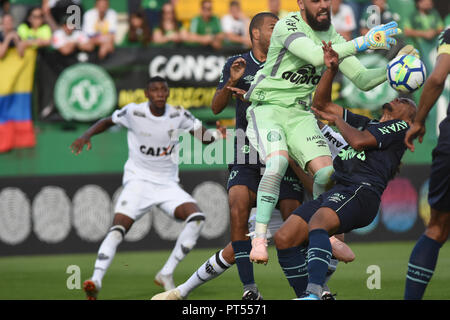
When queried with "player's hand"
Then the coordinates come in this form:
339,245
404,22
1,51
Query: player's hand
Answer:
237,69
238,93
78,144
330,57
409,50
331,118
379,37
221,130
417,130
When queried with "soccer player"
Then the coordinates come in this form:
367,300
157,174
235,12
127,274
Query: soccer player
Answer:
424,256
362,171
245,172
280,123
150,177
224,259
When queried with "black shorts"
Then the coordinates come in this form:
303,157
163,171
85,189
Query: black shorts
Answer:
356,206
439,191
250,176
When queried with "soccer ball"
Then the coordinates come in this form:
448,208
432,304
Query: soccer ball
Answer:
406,73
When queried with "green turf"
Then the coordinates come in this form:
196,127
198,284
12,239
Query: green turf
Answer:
131,275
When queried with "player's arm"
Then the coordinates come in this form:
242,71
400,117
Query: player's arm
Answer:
365,79
379,37
322,97
230,77
432,89
358,140
209,136
85,139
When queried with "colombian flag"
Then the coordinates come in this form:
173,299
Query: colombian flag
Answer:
16,84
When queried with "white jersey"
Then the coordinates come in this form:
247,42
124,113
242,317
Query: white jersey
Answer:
152,146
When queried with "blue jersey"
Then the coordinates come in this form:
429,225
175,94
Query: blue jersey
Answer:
242,147
373,167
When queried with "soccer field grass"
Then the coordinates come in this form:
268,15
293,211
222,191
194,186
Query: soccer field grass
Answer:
131,275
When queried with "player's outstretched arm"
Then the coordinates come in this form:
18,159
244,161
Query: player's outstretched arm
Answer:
432,89
367,79
379,37
358,140
322,97
85,139
229,79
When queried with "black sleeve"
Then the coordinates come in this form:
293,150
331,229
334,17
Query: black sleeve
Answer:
355,120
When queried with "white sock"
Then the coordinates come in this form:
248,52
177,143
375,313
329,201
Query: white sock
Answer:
212,268
331,269
185,242
107,251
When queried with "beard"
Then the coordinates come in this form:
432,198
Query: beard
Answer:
387,106
315,24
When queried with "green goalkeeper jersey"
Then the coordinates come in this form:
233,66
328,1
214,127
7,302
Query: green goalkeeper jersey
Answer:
295,63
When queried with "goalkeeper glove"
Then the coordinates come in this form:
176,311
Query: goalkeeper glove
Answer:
379,37
409,50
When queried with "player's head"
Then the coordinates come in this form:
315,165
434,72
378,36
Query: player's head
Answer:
157,91
316,13
400,108
261,28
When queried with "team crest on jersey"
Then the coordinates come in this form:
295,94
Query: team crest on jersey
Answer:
174,115
273,136
138,114
245,149
305,75
260,95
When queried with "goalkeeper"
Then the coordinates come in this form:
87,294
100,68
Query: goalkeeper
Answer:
279,121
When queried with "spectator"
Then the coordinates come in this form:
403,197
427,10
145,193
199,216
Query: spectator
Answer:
381,15
235,26
20,9
343,19
170,30
9,37
34,32
68,40
139,33
425,23
58,8
275,7
205,29
100,25
153,10
4,7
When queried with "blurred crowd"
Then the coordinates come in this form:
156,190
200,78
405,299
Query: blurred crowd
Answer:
68,26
